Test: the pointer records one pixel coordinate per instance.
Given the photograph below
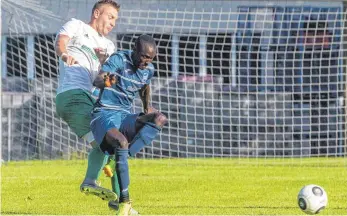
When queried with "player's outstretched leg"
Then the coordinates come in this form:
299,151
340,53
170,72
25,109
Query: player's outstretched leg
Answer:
148,127
96,160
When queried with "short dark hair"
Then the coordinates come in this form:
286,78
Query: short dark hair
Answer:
145,39
99,3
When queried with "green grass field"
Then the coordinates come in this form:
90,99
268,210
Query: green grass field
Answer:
178,186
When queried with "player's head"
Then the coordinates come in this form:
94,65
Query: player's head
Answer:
144,51
104,16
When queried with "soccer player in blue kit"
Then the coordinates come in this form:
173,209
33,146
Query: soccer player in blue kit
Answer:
115,128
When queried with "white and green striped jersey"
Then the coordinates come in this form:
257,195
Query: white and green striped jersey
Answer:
83,40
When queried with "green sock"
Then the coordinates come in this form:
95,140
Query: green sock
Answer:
114,179
115,184
96,161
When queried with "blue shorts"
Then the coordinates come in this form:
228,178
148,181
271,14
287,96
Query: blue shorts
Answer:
128,126
105,119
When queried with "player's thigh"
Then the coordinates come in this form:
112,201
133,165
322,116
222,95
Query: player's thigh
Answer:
74,107
130,126
133,123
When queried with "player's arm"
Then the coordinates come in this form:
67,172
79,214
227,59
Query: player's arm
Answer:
105,79
101,81
67,31
145,95
108,72
101,54
60,49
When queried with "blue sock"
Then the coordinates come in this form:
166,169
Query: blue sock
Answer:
122,170
144,137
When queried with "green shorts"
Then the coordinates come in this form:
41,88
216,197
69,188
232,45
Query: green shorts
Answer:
74,107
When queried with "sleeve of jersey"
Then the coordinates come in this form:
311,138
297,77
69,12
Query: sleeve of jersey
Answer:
70,28
113,65
110,48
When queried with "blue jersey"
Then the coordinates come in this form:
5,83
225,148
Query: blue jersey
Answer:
130,80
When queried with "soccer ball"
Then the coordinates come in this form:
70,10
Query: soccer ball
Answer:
312,199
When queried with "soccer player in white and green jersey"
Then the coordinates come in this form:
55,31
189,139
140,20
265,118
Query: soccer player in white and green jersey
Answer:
82,47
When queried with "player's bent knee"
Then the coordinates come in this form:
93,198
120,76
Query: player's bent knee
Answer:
123,144
113,140
160,120
117,142
116,137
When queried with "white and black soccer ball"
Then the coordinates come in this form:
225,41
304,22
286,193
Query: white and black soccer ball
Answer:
312,199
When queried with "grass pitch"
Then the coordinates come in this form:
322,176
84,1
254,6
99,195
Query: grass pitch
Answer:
178,186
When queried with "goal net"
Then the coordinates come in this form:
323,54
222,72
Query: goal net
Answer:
234,80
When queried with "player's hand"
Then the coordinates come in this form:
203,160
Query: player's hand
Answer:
68,59
101,54
150,109
109,80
